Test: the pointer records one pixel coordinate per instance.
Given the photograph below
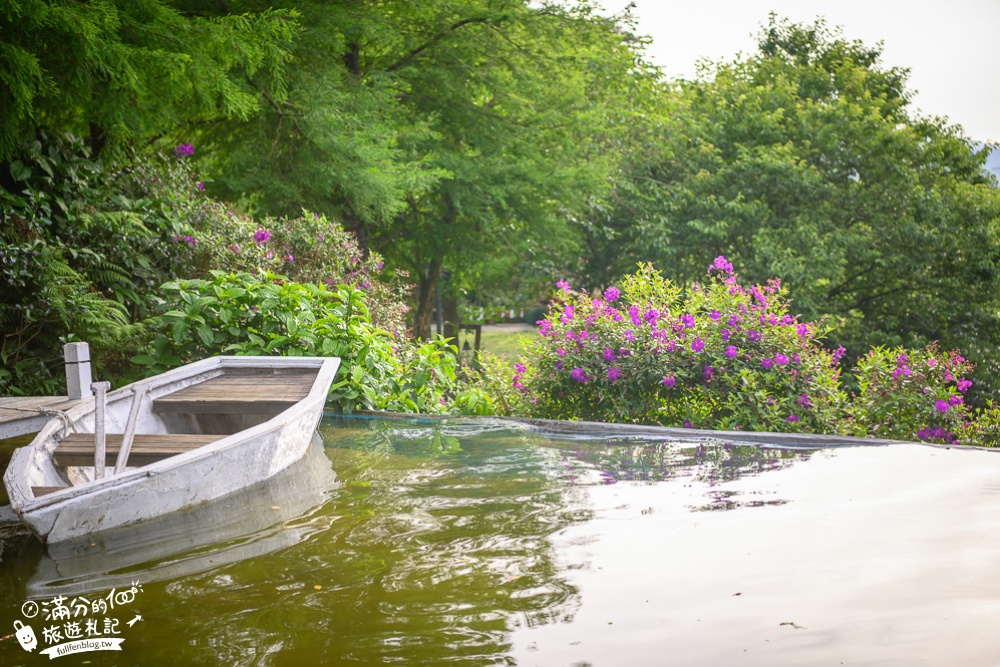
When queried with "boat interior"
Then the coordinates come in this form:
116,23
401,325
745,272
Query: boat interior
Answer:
173,419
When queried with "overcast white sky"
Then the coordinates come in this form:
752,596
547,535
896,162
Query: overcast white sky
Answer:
952,47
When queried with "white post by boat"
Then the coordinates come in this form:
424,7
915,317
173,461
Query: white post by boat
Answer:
179,439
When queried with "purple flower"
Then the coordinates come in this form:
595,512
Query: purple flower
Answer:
731,351
687,423
544,327
766,363
792,418
235,248
714,315
614,374
609,354
182,150
780,359
292,259
733,320
559,365
615,315
796,359
935,433
725,334
963,385
838,354
579,375
201,185
561,352
261,236
563,285
697,345
651,315
687,320
519,368
955,399
634,314
669,382
804,401
611,294
754,335
707,372
567,316
628,335
942,406
722,264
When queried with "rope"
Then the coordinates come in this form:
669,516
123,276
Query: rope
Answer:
67,424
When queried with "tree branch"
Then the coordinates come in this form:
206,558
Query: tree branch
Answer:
405,60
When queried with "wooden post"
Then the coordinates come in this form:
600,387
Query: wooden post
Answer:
133,419
78,377
101,389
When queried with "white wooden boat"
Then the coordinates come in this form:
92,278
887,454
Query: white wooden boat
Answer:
277,513
186,437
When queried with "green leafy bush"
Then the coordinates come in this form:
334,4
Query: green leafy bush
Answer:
73,263
214,235
910,394
243,314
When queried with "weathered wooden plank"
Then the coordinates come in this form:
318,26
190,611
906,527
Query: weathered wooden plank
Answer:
242,393
46,490
77,449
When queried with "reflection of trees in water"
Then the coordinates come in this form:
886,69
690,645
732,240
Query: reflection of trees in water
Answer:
433,558
620,459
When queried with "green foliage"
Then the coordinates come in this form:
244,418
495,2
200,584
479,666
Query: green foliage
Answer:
724,356
120,71
246,315
444,133
803,161
70,262
906,391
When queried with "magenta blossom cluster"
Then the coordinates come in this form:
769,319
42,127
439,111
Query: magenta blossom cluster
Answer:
184,150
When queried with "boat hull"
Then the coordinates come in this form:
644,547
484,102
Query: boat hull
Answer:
176,484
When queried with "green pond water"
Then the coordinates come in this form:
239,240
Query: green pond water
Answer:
410,543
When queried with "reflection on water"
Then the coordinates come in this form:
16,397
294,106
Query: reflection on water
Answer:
485,544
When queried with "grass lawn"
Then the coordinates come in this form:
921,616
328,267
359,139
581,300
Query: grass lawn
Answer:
505,343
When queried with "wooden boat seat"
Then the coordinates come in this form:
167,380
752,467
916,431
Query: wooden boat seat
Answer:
39,491
239,394
77,449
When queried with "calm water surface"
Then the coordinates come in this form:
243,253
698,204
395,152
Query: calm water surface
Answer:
478,544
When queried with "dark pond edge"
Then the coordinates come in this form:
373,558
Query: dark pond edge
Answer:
599,429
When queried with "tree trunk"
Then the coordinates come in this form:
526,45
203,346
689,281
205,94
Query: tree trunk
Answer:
426,290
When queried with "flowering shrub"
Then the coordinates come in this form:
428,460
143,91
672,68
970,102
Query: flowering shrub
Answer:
727,356
212,235
718,356
249,315
910,394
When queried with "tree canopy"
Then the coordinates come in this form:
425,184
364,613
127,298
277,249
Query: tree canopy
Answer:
804,162
127,71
